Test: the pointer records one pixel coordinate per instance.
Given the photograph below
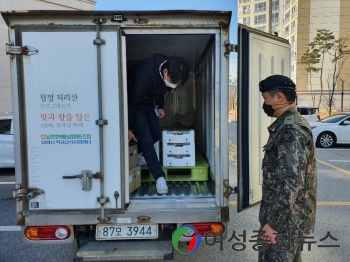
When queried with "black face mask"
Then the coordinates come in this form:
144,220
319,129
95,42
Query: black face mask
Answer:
269,111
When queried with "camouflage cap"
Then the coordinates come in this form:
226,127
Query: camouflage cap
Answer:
276,82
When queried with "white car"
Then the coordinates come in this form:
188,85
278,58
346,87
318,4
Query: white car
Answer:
7,157
310,113
332,130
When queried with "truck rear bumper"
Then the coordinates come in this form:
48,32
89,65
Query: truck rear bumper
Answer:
165,216
124,250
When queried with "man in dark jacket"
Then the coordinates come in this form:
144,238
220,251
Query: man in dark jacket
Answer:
148,82
289,190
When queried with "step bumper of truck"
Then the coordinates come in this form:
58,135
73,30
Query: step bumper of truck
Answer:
124,250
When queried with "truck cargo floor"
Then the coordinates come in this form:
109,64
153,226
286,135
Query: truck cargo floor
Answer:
176,189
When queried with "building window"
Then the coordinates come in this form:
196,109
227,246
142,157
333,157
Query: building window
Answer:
293,40
261,28
275,5
287,4
260,19
244,21
274,17
246,9
275,28
287,17
260,7
286,31
293,26
294,11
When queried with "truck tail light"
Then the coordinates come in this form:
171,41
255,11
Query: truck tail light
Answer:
319,117
204,228
47,232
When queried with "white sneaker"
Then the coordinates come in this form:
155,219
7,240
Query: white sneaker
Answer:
161,185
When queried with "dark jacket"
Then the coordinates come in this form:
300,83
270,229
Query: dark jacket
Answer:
145,85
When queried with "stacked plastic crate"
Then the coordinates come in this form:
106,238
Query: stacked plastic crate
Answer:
178,148
180,160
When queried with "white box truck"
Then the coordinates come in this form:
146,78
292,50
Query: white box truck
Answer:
70,125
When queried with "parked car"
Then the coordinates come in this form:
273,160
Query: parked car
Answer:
310,113
7,159
332,130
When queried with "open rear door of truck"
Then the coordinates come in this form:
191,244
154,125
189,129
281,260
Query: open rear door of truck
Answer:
70,107
259,56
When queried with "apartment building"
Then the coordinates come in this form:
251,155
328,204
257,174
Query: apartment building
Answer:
7,5
298,21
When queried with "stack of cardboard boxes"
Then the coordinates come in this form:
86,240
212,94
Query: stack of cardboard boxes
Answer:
134,168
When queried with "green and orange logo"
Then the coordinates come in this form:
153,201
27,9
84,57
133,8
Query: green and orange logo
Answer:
194,243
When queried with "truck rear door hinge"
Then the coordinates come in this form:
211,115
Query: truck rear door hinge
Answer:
101,122
230,48
13,50
228,190
29,193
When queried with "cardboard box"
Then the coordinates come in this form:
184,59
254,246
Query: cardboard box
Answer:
178,136
134,178
132,155
141,160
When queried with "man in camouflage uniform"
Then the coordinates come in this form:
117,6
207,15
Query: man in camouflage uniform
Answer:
288,205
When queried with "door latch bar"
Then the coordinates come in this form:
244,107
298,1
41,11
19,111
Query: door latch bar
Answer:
86,176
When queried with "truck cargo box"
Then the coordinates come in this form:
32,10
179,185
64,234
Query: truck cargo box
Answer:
74,168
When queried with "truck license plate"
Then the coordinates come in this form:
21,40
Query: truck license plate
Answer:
129,231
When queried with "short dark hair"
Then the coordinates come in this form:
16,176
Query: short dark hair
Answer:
290,94
178,69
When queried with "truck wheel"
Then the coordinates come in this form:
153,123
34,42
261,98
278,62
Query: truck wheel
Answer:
326,140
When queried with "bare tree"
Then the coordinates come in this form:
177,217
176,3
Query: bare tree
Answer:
324,43
339,53
309,59
321,44
233,94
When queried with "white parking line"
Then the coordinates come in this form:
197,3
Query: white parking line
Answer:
10,228
7,183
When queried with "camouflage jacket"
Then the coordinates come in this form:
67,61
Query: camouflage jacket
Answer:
289,175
